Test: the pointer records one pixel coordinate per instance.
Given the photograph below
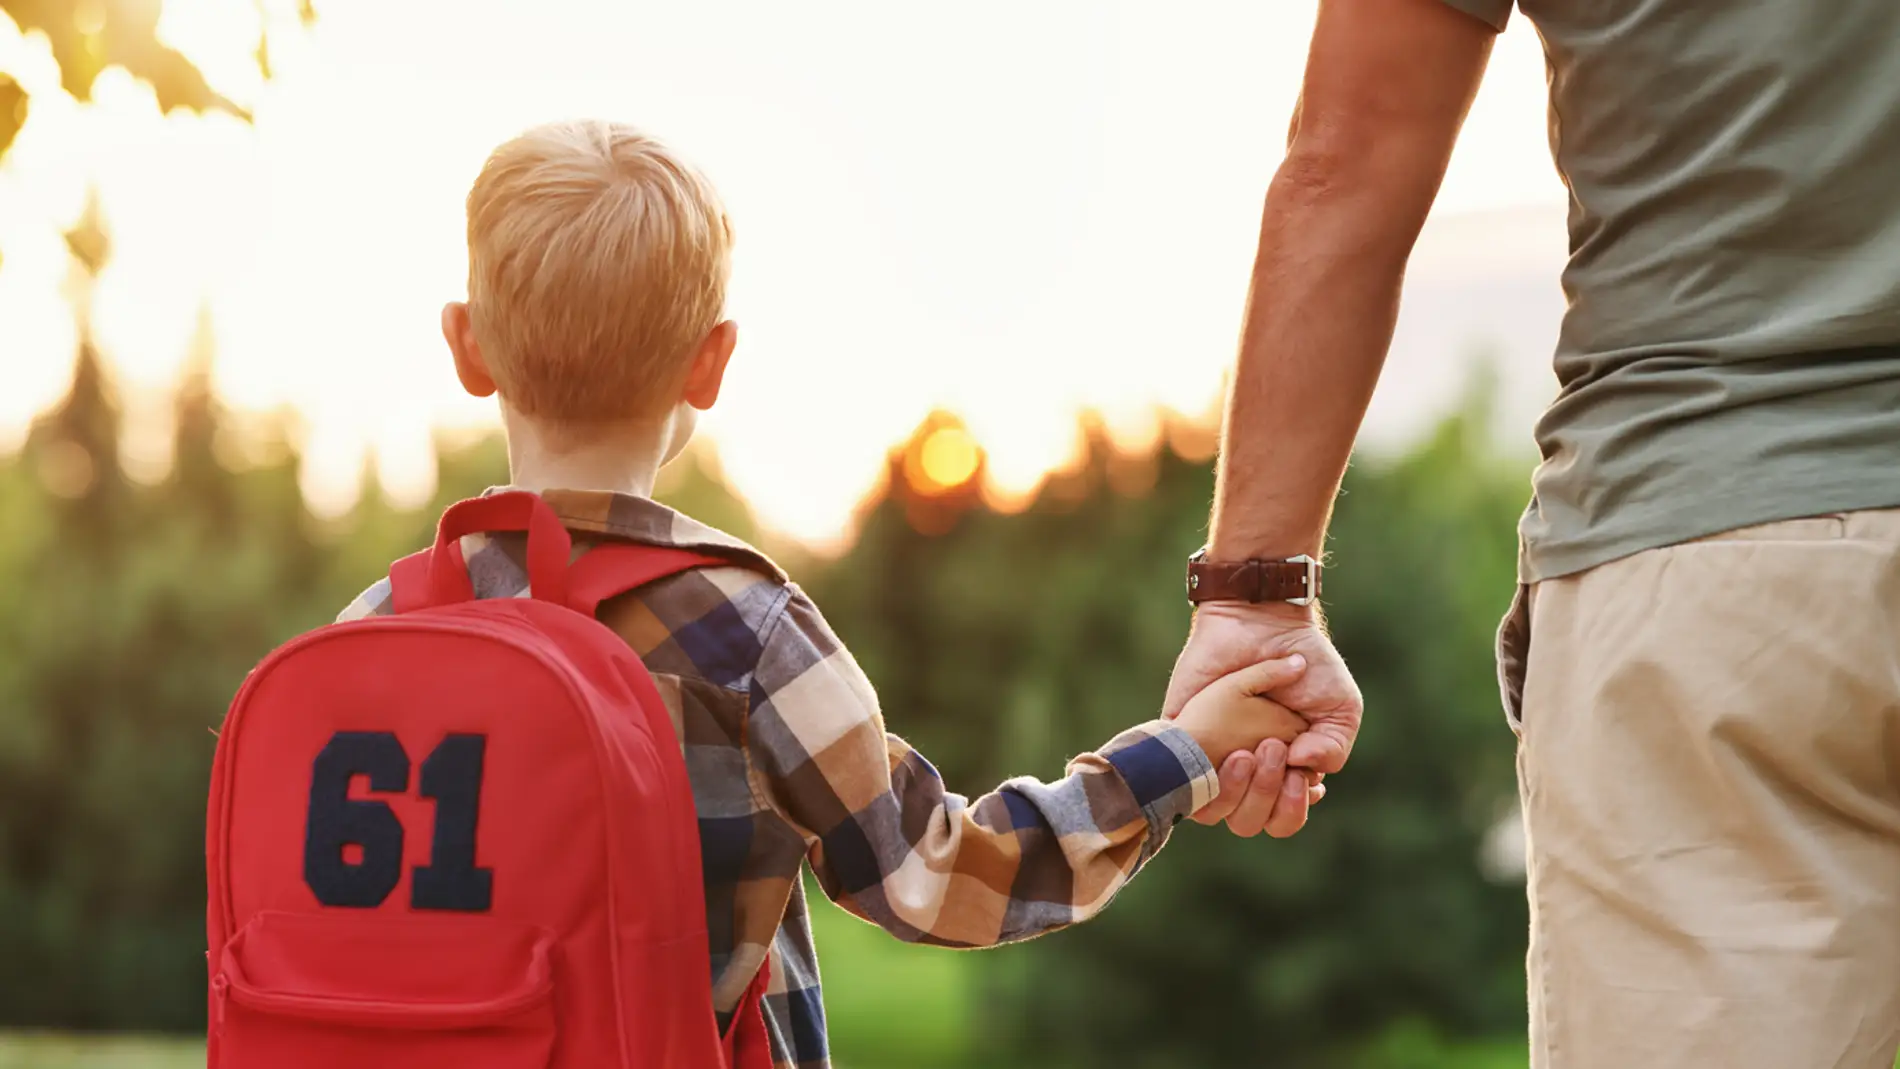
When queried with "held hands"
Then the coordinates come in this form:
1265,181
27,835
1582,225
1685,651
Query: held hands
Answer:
1233,714
1232,718
1271,787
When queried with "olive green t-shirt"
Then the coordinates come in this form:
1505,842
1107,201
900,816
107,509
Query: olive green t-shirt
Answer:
1731,352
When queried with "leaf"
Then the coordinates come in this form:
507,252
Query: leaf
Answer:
91,35
88,241
13,100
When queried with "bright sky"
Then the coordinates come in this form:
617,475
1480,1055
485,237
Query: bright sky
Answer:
1015,211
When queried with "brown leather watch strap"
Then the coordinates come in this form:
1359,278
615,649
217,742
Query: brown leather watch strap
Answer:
1295,580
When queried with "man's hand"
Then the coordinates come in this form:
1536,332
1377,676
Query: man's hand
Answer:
1272,788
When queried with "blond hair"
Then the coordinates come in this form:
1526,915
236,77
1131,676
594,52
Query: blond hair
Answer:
597,264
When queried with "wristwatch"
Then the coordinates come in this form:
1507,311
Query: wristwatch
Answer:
1294,580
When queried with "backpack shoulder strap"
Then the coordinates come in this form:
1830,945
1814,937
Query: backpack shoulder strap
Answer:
439,576
613,568
608,570
409,582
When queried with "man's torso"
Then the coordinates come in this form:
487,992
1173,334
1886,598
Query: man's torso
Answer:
1731,352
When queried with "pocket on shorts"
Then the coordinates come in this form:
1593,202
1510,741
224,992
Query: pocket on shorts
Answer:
1514,652
1828,527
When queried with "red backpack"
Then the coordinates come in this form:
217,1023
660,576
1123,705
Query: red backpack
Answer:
462,835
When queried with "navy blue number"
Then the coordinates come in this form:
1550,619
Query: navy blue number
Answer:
335,821
453,777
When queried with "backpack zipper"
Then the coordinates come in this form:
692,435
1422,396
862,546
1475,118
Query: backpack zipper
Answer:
221,992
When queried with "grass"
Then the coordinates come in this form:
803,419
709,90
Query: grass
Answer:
31,1050
889,1005
1416,1045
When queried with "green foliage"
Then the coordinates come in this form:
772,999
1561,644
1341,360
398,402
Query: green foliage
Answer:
128,616
1003,644
1009,643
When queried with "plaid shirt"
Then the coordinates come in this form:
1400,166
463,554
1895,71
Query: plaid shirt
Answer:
790,764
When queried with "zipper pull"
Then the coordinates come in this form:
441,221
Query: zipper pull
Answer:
221,992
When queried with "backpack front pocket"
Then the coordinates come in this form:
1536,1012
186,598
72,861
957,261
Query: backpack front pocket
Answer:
312,991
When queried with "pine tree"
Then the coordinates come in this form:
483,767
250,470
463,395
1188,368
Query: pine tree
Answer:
75,446
196,471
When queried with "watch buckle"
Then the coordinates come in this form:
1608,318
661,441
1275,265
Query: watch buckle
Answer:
1309,580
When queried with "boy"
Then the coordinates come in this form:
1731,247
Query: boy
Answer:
597,273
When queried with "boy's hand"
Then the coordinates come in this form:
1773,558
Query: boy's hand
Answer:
1272,789
1232,713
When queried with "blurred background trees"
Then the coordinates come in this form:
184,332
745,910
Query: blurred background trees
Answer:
1002,644
1010,642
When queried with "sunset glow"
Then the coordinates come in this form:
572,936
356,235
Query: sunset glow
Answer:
1016,213
948,458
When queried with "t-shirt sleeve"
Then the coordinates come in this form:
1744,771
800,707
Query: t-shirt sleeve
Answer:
1494,13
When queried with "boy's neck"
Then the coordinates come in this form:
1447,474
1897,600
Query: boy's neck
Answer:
624,459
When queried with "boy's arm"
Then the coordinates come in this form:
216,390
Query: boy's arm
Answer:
890,844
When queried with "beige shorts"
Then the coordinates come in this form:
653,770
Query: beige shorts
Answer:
1709,764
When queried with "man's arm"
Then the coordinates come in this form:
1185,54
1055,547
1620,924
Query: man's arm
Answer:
1388,83
1387,86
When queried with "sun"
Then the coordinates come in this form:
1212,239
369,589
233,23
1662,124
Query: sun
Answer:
947,459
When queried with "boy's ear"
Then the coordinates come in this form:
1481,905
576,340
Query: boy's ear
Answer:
708,372
469,366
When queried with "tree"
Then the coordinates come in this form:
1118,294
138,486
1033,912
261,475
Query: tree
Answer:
127,617
1000,644
1011,642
